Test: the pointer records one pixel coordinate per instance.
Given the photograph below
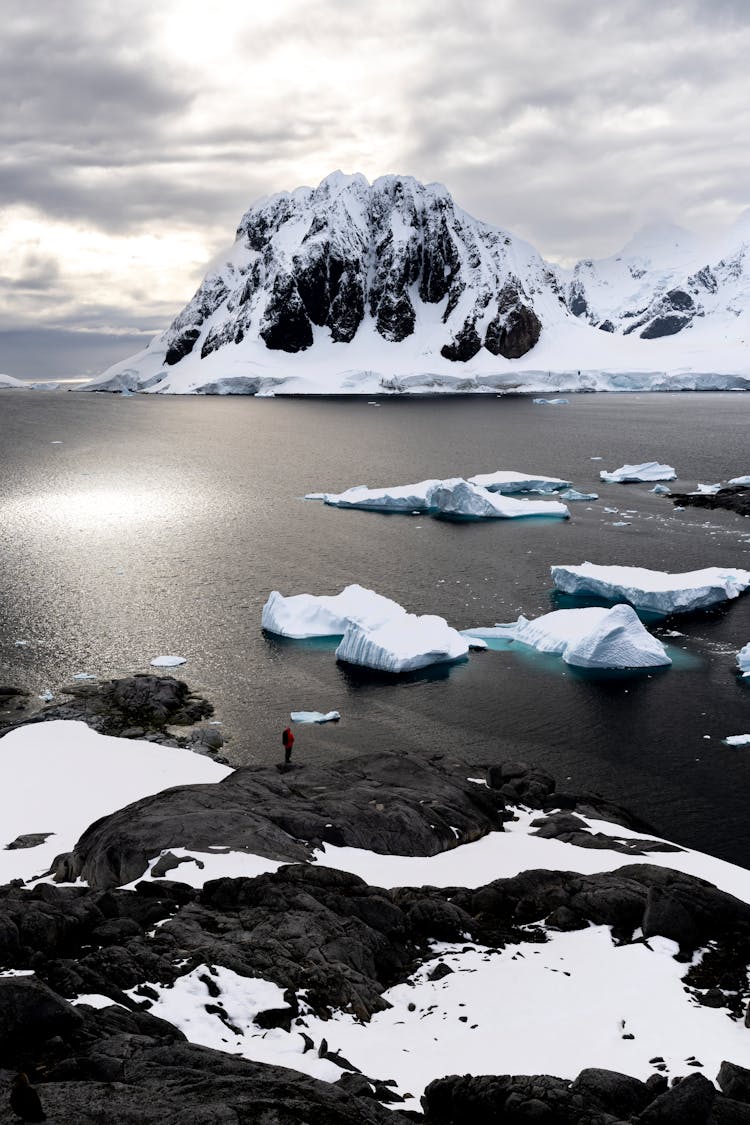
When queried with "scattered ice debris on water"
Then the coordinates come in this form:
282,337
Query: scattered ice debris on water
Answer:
737,740
572,494
84,676
21,644
620,523
550,401
661,490
743,660
168,661
314,716
653,590
611,511
46,696
593,637
647,471
673,633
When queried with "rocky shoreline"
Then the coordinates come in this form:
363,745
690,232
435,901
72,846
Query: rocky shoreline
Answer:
84,966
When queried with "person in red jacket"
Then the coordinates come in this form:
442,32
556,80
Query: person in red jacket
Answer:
287,739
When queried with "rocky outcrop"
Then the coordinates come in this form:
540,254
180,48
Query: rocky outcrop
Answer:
732,498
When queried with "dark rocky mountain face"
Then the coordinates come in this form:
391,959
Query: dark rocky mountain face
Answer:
349,252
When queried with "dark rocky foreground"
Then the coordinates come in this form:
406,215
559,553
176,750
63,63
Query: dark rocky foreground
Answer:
332,937
732,498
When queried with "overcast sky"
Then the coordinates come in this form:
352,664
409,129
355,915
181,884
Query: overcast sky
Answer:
134,135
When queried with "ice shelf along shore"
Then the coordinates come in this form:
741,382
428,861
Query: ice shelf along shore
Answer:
485,497
653,590
648,471
586,638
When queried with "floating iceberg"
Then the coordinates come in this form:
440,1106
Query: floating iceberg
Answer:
168,661
307,615
586,638
550,401
653,590
737,740
509,482
661,490
744,481
743,660
649,470
706,490
458,499
314,717
400,498
572,494
402,644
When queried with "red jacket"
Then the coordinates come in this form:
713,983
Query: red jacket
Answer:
287,739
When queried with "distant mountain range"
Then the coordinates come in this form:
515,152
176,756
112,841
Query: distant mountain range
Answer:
357,287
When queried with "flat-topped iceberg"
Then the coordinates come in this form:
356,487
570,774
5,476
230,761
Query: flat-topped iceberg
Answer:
743,660
459,499
573,494
509,482
648,471
399,498
403,644
587,638
653,590
308,615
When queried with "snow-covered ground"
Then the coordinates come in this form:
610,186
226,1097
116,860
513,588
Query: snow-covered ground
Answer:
59,777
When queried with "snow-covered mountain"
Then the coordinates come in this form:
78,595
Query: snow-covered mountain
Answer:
361,287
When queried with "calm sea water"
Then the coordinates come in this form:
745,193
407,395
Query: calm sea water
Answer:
134,527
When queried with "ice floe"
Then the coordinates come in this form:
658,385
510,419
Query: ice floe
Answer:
168,661
550,401
648,471
508,482
744,481
56,778
314,716
301,616
587,638
661,490
403,644
653,590
737,740
743,660
459,499
573,494
399,498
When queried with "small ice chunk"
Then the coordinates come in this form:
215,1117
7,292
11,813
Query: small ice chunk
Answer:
459,499
572,494
315,495
508,482
744,481
661,490
737,740
550,401
46,696
168,661
647,471
84,676
653,590
743,660
476,644
706,490
314,716
21,644
404,644
308,615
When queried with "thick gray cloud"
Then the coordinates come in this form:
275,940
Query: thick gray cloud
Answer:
135,135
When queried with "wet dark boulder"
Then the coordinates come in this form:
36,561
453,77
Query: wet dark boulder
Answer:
690,1102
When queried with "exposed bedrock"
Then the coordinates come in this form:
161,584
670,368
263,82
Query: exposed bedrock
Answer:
732,498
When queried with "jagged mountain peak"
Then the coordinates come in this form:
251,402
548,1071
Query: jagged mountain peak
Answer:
392,276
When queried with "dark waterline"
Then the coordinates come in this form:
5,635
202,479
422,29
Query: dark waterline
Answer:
160,525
